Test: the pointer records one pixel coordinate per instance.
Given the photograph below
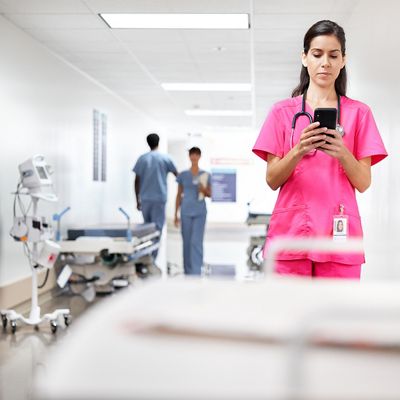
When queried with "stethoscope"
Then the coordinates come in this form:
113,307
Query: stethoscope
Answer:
304,113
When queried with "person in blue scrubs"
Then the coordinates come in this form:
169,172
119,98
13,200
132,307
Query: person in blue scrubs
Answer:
151,171
193,186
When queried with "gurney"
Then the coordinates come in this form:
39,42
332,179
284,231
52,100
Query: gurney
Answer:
107,256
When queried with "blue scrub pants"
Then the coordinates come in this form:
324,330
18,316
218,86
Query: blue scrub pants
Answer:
154,211
193,235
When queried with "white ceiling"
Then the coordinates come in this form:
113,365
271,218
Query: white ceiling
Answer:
133,63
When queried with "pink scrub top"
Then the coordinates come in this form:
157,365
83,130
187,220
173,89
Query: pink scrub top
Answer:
311,196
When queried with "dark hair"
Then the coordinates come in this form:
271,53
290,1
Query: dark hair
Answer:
195,150
320,28
153,140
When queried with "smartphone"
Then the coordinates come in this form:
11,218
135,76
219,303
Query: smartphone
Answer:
327,117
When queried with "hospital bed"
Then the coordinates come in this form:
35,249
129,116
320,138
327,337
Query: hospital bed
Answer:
206,339
105,256
276,338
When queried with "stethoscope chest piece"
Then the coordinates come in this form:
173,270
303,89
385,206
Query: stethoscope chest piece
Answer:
303,112
340,129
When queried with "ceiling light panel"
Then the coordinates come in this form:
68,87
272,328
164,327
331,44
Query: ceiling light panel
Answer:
177,21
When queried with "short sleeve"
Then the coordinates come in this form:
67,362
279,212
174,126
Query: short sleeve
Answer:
368,140
271,137
171,166
137,169
179,179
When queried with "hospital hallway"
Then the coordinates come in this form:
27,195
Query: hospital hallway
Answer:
23,354
259,137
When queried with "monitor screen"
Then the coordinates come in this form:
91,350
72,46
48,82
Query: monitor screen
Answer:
42,173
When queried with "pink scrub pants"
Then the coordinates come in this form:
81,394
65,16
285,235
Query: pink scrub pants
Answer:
317,269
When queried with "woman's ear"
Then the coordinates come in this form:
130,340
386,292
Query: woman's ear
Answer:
304,59
343,62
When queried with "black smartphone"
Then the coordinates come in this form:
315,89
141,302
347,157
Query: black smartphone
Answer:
326,117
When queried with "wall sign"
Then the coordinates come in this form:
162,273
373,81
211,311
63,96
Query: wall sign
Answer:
223,183
99,146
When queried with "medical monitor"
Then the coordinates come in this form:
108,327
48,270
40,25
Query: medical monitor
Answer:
34,173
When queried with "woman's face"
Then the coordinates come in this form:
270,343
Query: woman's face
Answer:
194,158
324,60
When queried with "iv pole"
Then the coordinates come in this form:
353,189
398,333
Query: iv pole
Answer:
46,258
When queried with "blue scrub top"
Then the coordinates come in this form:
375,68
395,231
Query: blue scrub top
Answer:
152,169
191,205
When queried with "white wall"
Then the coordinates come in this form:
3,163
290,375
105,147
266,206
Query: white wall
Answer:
373,36
46,108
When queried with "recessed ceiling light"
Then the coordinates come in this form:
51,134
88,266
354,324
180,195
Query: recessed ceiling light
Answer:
176,21
219,113
219,48
207,87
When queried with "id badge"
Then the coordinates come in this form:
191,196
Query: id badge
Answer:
340,227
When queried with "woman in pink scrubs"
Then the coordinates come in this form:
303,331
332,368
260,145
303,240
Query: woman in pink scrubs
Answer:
317,174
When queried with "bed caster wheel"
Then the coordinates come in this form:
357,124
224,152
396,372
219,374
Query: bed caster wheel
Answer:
13,325
4,320
67,320
53,326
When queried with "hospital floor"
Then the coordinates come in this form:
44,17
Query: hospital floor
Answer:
225,247
22,355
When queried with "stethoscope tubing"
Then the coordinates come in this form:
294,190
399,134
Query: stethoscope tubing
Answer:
303,112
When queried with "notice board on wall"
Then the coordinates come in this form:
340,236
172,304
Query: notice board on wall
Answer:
223,184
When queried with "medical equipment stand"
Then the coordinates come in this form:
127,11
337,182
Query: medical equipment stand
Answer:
34,260
34,315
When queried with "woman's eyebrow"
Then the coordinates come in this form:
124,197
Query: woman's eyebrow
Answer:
330,51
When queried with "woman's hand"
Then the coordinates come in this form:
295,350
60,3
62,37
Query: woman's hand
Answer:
205,190
202,189
178,204
311,138
334,145
279,169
